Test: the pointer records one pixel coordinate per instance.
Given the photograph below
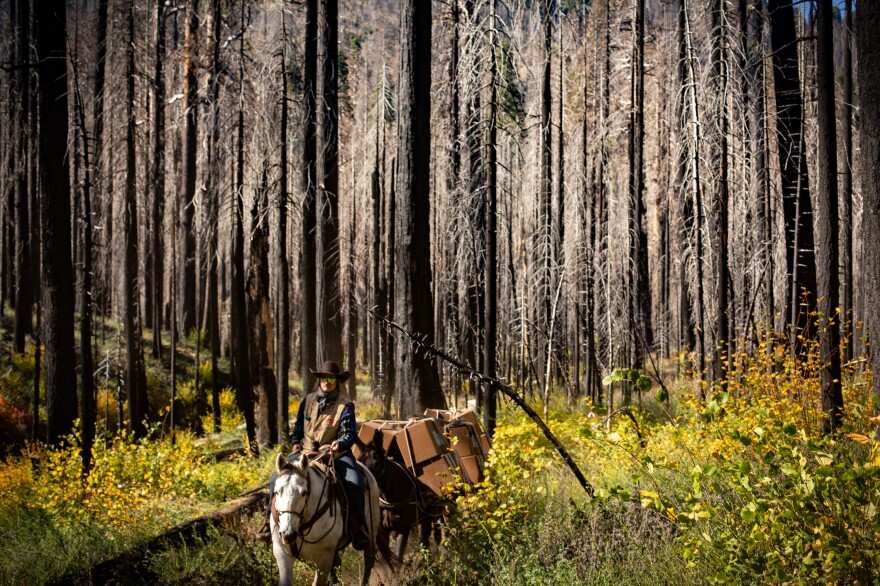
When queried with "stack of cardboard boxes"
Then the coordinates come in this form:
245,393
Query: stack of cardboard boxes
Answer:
435,448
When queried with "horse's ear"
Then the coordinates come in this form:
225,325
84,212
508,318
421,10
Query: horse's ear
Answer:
280,462
303,461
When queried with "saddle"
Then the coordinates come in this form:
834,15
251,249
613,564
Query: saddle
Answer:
323,461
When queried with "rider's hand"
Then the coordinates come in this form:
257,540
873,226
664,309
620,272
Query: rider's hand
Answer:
334,447
296,448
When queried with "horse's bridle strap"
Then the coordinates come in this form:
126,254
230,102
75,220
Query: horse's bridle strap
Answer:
305,526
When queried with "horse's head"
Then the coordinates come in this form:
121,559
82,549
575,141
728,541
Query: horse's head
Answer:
373,454
291,494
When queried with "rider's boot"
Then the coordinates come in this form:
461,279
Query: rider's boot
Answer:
359,537
264,533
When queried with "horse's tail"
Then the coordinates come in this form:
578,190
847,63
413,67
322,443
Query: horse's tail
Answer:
383,545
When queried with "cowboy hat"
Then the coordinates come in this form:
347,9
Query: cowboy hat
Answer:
331,369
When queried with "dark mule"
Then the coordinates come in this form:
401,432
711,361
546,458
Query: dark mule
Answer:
405,502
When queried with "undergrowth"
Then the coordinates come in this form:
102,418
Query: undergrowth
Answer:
740,488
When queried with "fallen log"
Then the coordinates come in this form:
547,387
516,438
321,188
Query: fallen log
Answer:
130,567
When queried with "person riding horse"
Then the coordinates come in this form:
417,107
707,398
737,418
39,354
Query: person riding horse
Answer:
326,420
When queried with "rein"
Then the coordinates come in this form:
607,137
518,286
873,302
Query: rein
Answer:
305,526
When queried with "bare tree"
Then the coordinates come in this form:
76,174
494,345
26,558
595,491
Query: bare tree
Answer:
827,226
868,19
329,298
57,270
309,208
846,188
157,210
796,203
135,375
241,347
418,385
187,309
24,295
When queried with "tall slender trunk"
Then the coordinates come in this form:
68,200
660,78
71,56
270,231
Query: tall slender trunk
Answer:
638,220
491,328
187,317
418,384
283,266
722,190
827,223
259,319
157,210
846,212
309,208
135,375
796,204
88,412
57,270
24,294
545,187
694,217
104,289
212,206
329,297
868,50
241,350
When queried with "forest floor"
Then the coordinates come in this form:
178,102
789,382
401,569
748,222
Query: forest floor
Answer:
739,488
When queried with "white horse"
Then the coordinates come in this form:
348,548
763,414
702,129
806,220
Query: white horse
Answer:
308,524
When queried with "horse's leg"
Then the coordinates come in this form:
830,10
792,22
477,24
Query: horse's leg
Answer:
400,540
285,563
326,564
425,532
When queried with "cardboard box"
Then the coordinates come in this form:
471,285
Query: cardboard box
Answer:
464,439
466,415
421,440
485,443
451,415
473,468
440,472
389,429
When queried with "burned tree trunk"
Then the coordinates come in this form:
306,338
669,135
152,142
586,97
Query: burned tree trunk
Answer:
57,270
418,386
157,210
827,224
259,318
308,335
24,293
283,267
329,298
868,50
135,375
187,317
796,204
244,393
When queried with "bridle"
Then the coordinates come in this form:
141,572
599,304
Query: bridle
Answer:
304,526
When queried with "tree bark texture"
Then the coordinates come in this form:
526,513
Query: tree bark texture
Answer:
308,252
135,375
187,317
57,270
259,318
24,293
157,209
418,385
796,203
827,224
868,50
